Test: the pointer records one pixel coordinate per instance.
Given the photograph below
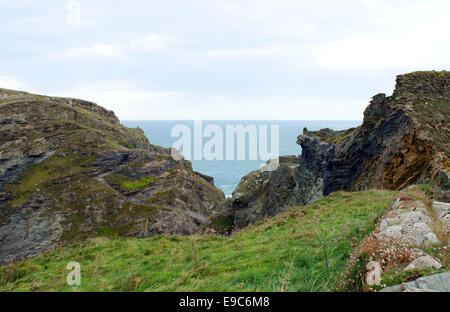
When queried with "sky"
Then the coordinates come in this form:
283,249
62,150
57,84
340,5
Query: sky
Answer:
221,59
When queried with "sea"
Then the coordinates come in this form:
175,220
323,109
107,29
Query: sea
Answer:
228,172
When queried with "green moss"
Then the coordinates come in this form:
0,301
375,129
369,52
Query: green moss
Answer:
136,185
113,144
18,202
122,182
107,231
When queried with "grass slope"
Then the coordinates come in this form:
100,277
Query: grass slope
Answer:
302,249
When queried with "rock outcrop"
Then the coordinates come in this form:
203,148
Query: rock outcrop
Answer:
69,170
433,283
263,194
408,221
404,139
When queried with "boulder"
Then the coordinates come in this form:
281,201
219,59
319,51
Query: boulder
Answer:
423,263
264,193
373,276
432,283
409,221
39,147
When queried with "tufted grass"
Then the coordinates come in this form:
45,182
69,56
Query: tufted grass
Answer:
303,249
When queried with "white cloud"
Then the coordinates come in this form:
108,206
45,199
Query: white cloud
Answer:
245,52
264,59
371,51
418,37
126,100
95,50
148,43
133,103
126,47
11,83
293,107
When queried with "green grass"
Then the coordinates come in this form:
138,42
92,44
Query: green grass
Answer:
122,182
302,249
114,145
136,185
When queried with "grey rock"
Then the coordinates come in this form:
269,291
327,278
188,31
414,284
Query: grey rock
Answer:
423,263
387,150
11,169
409,221
442,211
76,200
30,230
115,159
433,283
205,177
263,194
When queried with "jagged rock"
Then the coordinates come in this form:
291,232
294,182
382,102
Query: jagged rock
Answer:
30,230
264,194
115,159
443,179
17,163
423,263
91,137
222,221
402,141
39,147
438,282
171,222
395,146
205,177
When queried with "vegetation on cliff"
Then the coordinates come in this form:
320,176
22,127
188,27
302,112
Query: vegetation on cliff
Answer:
70,171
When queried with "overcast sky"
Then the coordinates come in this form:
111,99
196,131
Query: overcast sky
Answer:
221,59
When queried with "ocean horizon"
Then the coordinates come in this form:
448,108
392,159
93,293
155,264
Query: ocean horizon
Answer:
228,173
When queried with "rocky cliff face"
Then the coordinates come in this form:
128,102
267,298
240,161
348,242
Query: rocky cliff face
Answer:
404,139
69,170
264,194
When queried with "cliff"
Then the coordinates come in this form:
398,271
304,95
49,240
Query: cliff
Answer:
404,139
263,194
69,171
